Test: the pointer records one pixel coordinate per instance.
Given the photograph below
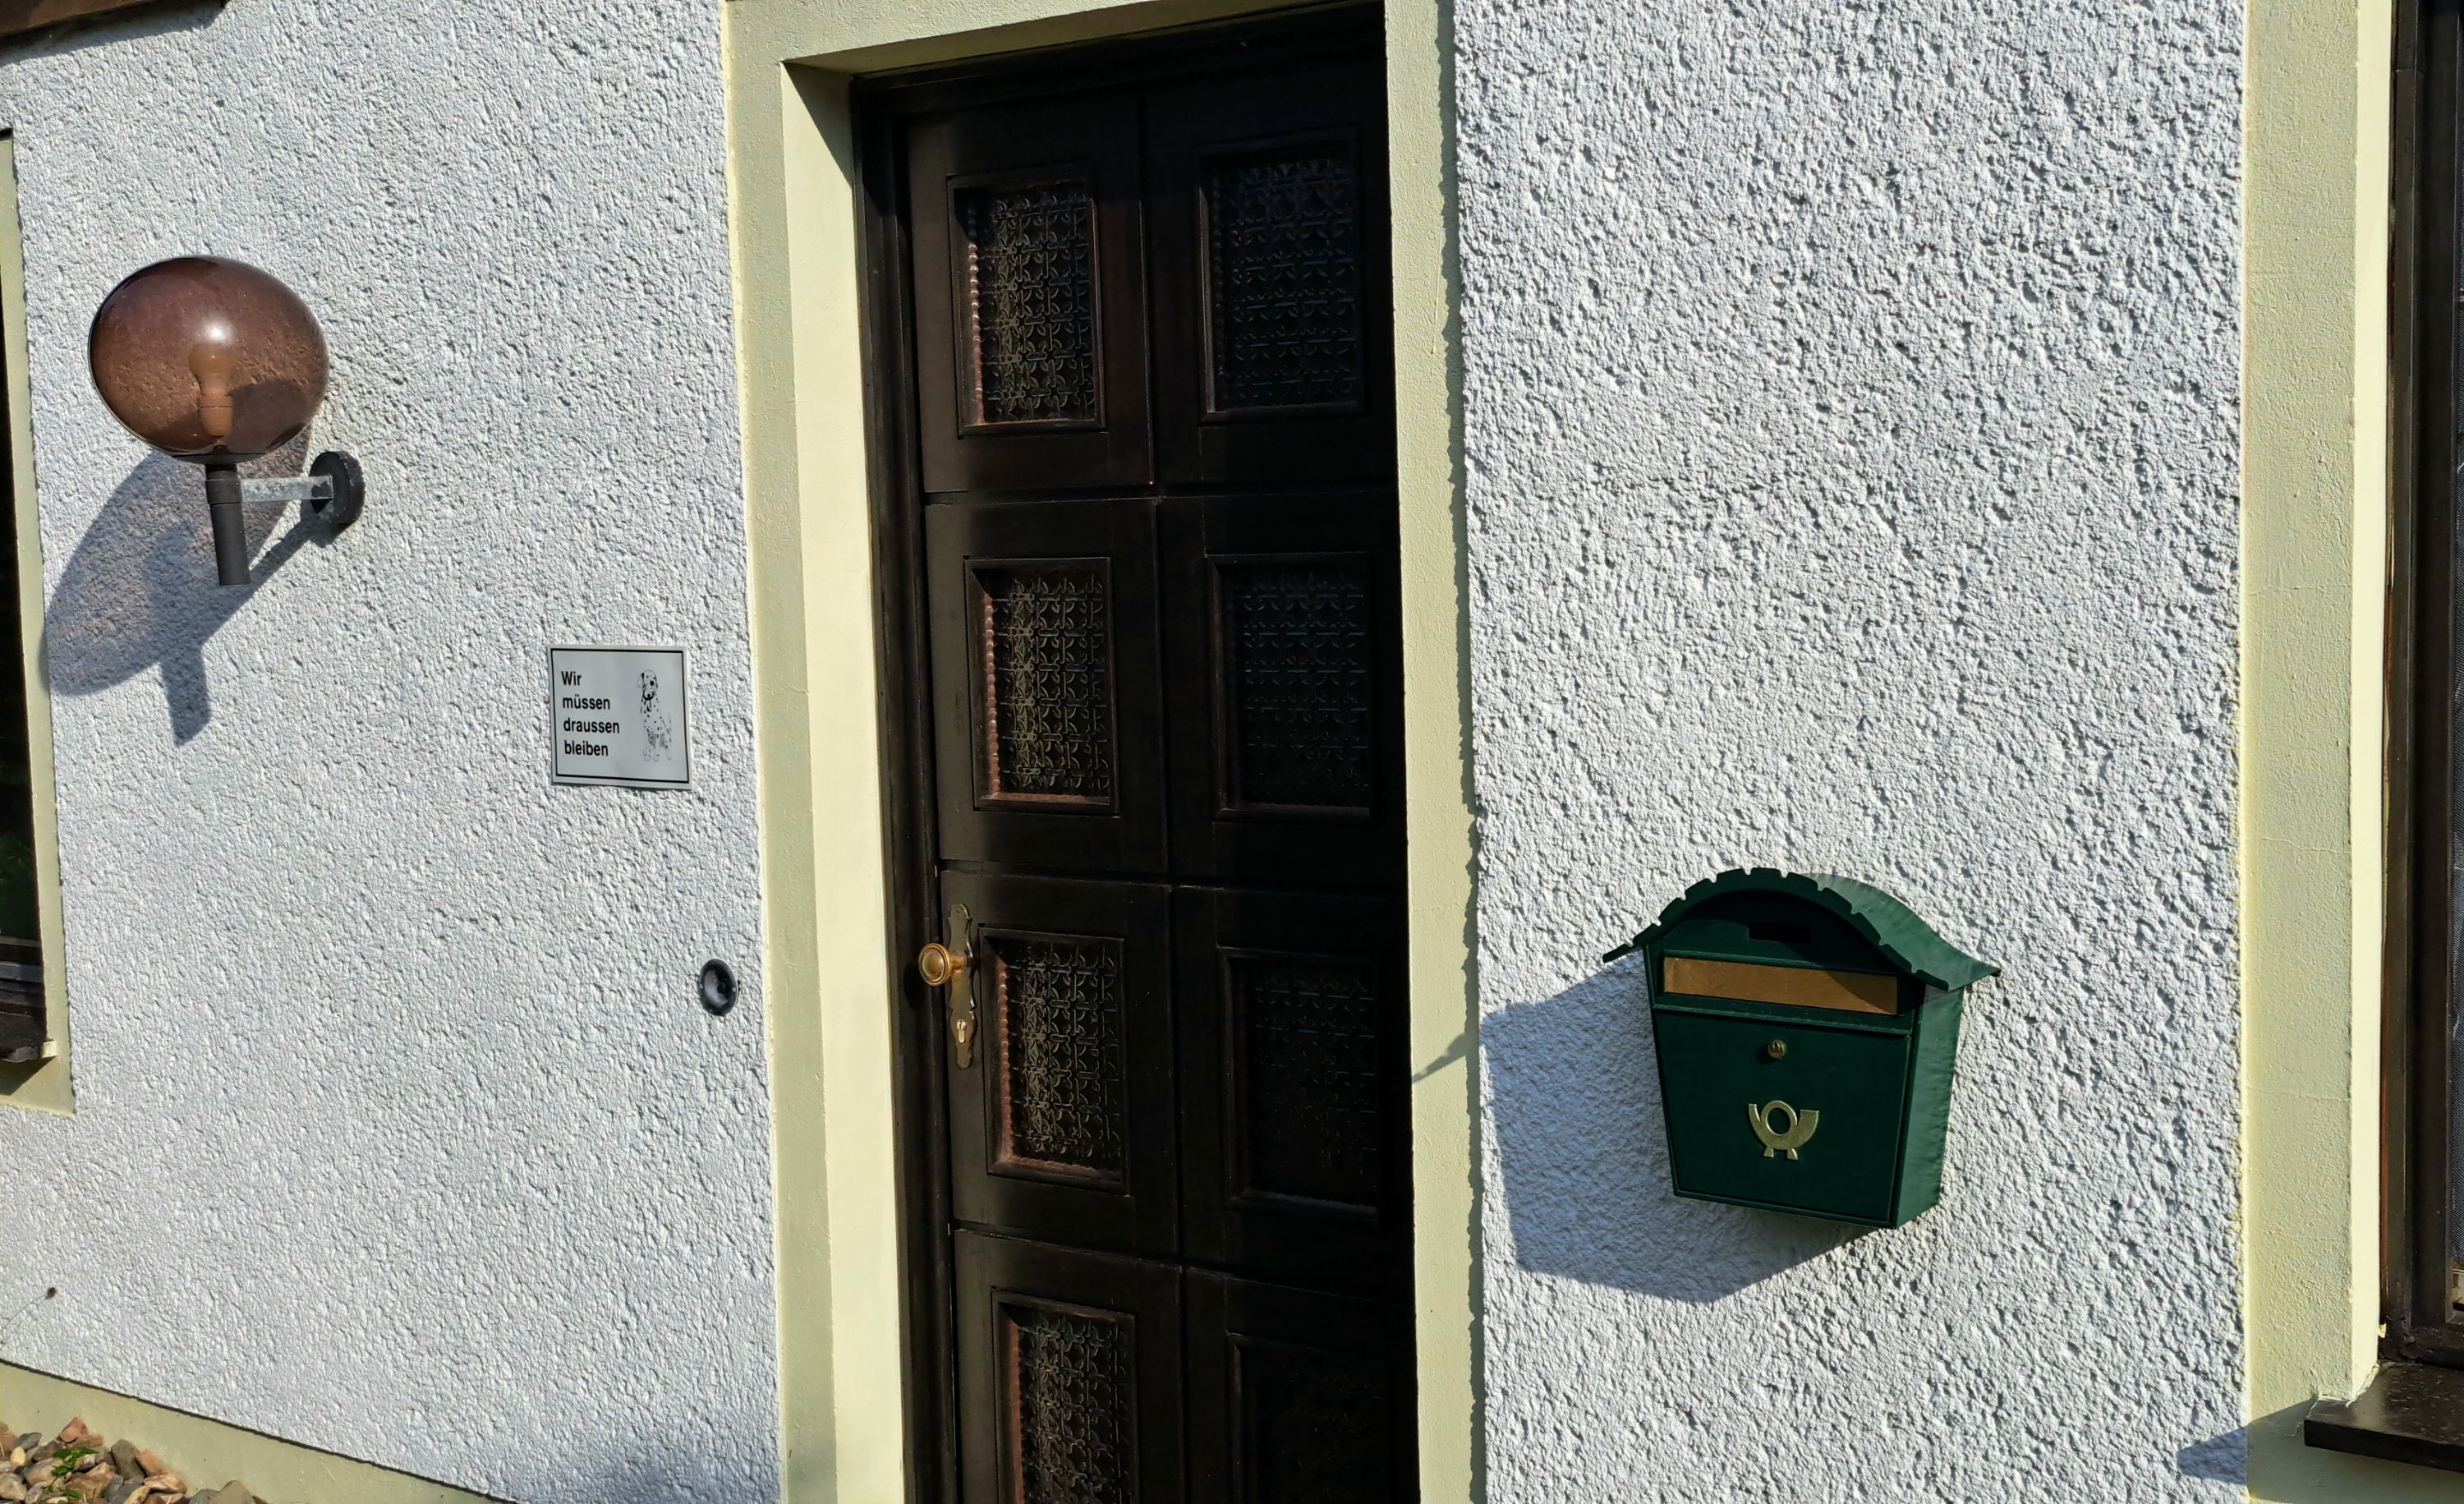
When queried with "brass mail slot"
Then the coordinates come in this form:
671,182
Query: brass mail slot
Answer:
1845,992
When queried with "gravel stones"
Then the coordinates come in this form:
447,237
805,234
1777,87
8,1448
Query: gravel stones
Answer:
79,1467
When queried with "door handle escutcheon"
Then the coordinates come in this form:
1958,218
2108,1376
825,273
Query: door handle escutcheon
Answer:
948,964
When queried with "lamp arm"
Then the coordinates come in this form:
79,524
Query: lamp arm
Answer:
332,491
292,488
224,493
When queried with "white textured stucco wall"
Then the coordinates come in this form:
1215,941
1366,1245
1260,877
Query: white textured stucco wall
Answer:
1850,445
398,1129
1850,442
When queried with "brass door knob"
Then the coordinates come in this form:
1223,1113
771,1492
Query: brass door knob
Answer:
940,966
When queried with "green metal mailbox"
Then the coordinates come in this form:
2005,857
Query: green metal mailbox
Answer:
1806,1028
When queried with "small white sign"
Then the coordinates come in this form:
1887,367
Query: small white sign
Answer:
617,716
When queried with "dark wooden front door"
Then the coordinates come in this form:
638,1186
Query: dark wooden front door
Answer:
1153,425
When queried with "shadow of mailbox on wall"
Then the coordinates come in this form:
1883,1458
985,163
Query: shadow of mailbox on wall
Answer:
1806,1028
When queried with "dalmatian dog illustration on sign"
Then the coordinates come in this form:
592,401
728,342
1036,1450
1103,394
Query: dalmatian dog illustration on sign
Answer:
658,727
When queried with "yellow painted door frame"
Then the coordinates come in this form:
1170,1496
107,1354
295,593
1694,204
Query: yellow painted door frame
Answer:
796,230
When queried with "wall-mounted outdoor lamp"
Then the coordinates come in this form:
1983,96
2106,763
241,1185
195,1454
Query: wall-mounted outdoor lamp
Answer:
213,362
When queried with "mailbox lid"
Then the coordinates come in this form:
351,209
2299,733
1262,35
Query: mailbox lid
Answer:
1762,915
1845,1087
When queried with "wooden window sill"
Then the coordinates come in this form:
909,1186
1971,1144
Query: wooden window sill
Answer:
33,15
2410,1412
21,1035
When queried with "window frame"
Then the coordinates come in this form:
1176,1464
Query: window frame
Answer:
2422,1322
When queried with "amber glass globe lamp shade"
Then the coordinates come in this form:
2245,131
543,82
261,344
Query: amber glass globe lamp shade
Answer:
208,359
212,361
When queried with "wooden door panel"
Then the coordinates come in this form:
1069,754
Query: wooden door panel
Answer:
1284,681
1069,1376
1296,1153
1047,680
1031,308
1272,346
1062,1127
1144,434
1297,1398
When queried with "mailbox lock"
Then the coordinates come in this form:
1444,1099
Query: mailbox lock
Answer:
1776,1049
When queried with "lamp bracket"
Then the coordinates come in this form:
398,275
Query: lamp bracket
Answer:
293,488
332,491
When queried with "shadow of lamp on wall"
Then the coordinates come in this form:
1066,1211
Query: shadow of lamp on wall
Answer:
214,362
134,596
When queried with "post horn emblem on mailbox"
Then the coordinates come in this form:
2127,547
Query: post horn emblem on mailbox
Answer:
214,362
1774,989
1786,1140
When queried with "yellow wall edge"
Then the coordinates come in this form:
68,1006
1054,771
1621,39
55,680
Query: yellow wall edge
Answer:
1437,747
2317,133
792,223
208,1453
42,1084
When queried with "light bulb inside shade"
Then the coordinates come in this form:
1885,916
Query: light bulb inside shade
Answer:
208,359
213,365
